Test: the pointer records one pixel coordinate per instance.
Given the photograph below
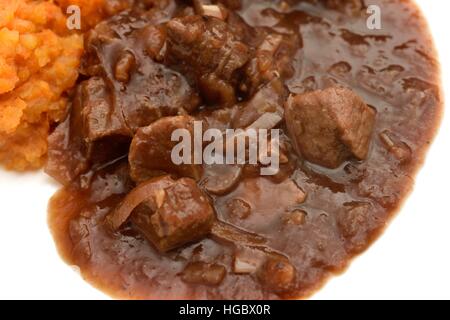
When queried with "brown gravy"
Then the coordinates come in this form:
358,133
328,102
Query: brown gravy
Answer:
394,70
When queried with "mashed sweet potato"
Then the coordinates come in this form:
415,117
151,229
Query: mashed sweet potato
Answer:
39,59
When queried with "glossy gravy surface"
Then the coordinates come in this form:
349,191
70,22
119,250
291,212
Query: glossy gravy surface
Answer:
394,70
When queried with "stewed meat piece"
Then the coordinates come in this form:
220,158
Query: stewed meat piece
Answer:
329,126
84,136
182,214
170,213
153,149
206,46
273,58
100,118
127,89
143,89
66,159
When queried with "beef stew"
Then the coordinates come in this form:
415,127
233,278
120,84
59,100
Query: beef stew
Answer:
356,108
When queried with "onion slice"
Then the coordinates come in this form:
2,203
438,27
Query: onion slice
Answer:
147,191
267,121
229,233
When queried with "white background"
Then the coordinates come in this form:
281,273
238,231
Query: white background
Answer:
410,261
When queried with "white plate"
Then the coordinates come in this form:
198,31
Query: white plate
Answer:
410,261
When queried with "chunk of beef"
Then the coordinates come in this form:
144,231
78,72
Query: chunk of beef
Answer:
155,41
95,130
272,59
180,213
148,192
66,159
206,47
99,117
226,10
127,89
329,126
125,49
151,149
252,36
153,94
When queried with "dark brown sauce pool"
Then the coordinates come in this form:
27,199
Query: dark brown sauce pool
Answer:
395,70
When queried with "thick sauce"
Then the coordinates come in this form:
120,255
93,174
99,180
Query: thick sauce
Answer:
394,70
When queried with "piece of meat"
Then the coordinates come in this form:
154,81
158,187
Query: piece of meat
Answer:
206,47
65,159
272,59
94,131
155,37
148,191
329,126
252,36
143,89
179,214
99,117
126,89
151,150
